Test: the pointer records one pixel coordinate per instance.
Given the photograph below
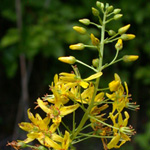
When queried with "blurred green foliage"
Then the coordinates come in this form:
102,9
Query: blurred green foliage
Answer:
47,33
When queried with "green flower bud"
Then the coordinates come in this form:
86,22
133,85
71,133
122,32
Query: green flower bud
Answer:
126,37
110,9
118,16
111,32
22,144
129,58
95,62
95,11
123,29
85,21
100,5
116,11
80,30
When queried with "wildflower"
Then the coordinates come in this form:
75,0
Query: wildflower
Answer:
79,46
73,80
119,45
69,60
123,133
115,84
56,113
39,129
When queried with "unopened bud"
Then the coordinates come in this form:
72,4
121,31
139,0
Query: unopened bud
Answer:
95,11
100,5
126,37
80,30
95,62
116,11
123,29
129,58
22,145
111,32
85,21
69,60
95,41
79,46
119,45
118,16
110,9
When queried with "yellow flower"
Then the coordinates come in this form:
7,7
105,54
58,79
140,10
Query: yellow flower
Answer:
123,133
56,113
115,84
73,80
39,129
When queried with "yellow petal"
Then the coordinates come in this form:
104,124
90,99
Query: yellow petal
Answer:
53,128
43,106
65,110
56,137
26,126
50,143
66,141
99,97
83,84
113,143
94,76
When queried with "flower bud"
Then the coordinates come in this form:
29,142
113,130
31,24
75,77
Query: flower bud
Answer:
80,30
111,32
85,21
95,62
118,16
129,58
69,60
79,46
123,29
116,11
95,41
110,9
22,145
100,5
119,45
95,11
126,37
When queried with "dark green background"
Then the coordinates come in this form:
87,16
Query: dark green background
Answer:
46,34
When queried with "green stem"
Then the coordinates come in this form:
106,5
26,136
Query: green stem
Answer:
86,115
103,122
78,61
98,26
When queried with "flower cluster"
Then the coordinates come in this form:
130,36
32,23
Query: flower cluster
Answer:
105,109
